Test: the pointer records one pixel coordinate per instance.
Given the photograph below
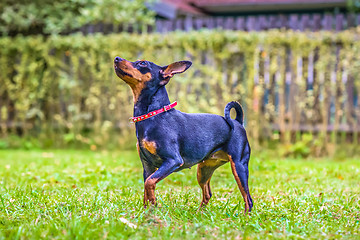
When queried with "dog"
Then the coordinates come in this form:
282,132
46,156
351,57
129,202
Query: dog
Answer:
169,140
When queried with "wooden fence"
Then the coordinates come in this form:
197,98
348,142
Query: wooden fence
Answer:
301,22
297,93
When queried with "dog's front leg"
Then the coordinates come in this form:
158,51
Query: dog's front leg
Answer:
148,170
168,166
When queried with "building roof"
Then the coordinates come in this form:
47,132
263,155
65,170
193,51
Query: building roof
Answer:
231,6
224,2
174,8
184,6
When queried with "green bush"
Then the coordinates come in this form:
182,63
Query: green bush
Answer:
58,16
64,88
353,5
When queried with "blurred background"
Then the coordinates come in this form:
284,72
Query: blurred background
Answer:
293,64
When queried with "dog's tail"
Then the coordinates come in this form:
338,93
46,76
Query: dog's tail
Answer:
239,113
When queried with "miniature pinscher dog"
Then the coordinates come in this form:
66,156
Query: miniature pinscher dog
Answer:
169,140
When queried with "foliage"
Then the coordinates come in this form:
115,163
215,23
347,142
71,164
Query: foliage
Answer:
78,194
305,147
52,17
63,90
353,5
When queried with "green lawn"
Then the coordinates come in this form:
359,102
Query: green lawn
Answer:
93,195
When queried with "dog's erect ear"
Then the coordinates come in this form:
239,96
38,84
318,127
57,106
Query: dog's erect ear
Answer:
174,68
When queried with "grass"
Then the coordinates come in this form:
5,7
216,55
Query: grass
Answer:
94,195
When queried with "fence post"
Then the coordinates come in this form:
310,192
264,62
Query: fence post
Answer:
294,24
339,24
188,23
240,23
327,22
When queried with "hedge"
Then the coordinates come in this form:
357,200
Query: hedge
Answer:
63,89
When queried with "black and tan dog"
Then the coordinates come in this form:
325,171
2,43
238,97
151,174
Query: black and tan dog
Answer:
170,140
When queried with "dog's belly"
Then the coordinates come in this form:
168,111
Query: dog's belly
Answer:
188,159
219,157
196,149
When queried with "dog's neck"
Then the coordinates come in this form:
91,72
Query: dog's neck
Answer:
148,101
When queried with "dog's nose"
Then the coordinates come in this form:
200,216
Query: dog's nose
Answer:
118,59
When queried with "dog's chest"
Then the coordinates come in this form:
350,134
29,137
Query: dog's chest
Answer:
150,158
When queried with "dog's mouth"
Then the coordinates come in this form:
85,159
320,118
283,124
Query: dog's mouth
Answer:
121,73
126,77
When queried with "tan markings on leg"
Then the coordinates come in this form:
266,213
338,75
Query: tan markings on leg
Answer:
203,186
150,146
242,190
149,191
220,155
213,162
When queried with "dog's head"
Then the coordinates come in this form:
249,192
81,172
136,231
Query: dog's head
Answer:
142,74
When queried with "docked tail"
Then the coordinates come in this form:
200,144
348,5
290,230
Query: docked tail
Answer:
239,113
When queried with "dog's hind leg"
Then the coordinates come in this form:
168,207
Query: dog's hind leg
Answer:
205,171
239,166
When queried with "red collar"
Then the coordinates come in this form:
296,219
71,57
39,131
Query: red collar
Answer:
153,113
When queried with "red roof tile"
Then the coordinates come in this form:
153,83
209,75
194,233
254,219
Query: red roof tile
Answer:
184,5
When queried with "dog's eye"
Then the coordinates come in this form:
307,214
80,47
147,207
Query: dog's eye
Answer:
142,64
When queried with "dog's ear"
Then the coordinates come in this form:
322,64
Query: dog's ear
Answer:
173,68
